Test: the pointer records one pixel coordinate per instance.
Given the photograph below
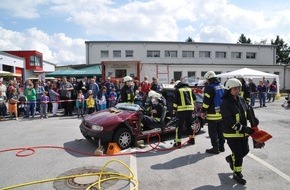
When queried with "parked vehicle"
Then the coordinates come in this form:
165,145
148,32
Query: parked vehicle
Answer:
286,103
122,124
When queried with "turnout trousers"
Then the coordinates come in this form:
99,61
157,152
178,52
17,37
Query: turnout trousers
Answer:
183,117
215,134
239,148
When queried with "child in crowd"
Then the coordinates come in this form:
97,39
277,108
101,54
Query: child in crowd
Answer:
112,98
12,106
43,106
2,106
138,97
90,102
102,97
80,103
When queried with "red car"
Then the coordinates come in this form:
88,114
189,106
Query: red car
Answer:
122,124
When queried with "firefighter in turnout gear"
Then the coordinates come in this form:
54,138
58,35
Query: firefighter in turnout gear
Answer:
127,92
155,108
245,93
235,130
210,111
183,106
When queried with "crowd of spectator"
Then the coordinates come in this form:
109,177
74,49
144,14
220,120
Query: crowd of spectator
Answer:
70,95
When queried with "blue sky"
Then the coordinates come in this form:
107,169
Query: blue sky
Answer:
58,28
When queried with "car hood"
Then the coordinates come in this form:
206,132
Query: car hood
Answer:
109,116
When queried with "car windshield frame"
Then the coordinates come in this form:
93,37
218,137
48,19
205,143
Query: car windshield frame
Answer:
127,106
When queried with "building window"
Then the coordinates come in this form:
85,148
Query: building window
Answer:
117,53
153,53
220,54
35,61
104,53
191,74
218,72
119,73
204,54
177,75
189,54
203,73
251,55
170,53
236,55
129,53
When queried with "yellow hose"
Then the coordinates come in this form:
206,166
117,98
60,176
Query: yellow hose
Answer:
115,175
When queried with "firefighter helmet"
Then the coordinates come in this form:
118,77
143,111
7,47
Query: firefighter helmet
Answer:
127,79
233,82
176,83
209,75
153,94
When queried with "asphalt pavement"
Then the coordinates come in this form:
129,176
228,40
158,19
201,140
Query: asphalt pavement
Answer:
184,169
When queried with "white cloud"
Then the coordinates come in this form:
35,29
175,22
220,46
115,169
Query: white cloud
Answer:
24,9
57,48
170,20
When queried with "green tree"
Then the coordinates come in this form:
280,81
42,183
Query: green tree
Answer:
282,51
244,40
189,39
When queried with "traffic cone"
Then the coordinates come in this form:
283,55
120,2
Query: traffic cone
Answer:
113,148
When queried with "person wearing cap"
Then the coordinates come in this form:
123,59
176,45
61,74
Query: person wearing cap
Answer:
127,92
210,111
183,106
235,130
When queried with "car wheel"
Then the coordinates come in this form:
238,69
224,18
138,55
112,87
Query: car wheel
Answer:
123,138
196,125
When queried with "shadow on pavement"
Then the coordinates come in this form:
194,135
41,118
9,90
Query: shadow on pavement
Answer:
80,148
226,183
181,161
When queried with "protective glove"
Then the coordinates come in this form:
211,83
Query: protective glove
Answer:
248,130
244,129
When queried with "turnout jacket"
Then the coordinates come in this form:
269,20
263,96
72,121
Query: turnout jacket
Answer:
184,98
209,99
233,112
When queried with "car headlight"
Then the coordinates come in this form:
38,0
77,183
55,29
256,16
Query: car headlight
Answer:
97,127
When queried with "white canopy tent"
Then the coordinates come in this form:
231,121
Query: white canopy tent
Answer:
250,73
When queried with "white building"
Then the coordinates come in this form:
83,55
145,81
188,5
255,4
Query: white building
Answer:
12,64
173,60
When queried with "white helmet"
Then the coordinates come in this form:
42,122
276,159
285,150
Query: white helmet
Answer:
153,94
176,83
209,75
233,82
127,78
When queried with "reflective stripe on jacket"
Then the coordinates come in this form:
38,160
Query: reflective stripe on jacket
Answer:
208,106
233,112
184,99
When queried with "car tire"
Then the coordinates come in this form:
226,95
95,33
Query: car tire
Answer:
123,137
196,125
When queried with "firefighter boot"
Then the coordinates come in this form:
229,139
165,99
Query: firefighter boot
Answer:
213,150
230,161
177,145
221,148
239,178
191,139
